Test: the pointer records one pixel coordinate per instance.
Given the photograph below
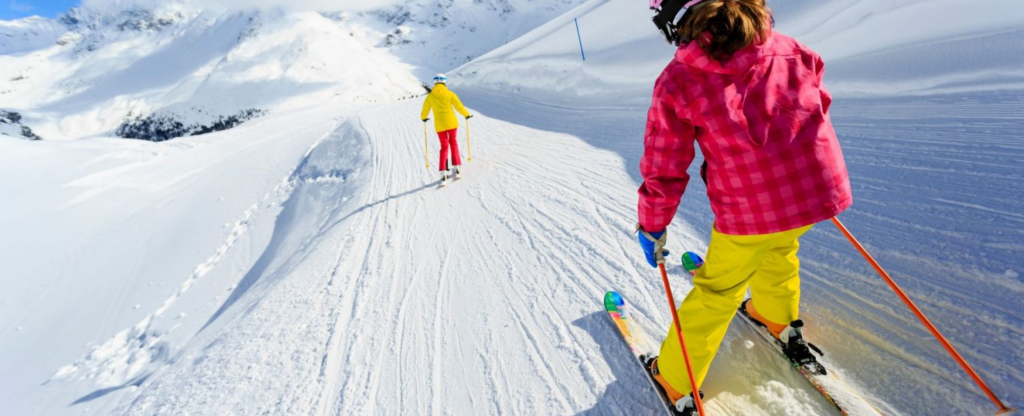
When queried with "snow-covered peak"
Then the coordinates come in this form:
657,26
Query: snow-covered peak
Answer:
30,33
127,18
35,32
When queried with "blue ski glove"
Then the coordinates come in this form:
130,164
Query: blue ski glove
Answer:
653,245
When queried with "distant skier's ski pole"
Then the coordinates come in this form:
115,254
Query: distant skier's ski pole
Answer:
679,331
469,144
1003,410
426,151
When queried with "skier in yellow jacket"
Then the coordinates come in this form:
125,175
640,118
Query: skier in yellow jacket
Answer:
442,100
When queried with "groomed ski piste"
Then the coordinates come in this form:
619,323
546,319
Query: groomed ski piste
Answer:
305,262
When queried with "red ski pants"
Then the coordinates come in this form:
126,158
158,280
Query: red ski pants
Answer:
448,141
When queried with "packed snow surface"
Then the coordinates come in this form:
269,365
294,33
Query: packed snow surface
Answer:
306,262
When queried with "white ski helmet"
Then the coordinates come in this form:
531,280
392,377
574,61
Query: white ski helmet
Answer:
440,79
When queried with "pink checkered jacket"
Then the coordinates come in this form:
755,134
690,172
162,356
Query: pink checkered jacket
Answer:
761,120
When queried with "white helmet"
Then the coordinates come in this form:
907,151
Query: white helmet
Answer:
440,79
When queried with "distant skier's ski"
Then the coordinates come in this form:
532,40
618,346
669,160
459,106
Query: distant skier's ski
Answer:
840,394
638,342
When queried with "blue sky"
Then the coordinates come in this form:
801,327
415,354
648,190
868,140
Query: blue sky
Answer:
14,9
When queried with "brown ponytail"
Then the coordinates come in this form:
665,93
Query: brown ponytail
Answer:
722,27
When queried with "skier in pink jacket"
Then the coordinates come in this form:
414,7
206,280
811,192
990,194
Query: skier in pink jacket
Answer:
754,101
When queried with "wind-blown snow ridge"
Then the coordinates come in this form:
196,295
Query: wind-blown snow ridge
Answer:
120,359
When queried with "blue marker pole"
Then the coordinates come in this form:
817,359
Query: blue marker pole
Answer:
580,38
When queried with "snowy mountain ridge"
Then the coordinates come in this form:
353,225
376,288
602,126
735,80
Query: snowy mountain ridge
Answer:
93,70
29,34
138,62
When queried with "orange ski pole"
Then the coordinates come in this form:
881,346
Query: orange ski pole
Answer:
1003,410
679,331
426,149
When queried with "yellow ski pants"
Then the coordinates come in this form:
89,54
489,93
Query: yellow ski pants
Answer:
767,263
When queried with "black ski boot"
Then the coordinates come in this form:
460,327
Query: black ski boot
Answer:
687,406
798,350
793,345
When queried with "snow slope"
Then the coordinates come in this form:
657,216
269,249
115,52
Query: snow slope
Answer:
347,284
934,147
305,263
871,48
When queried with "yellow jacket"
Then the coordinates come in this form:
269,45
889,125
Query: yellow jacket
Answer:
441,100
